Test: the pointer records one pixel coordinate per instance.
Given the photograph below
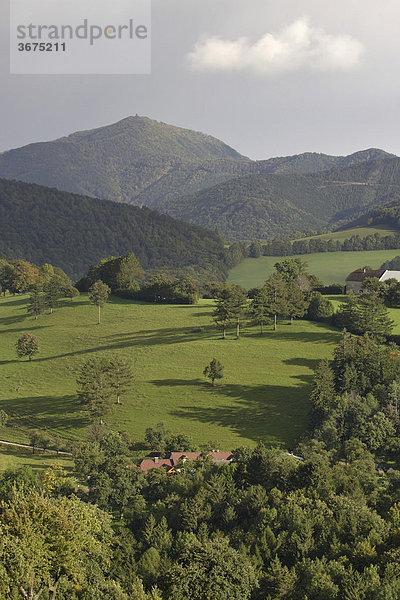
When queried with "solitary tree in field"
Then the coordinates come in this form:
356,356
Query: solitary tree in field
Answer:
222,313
98,295
27,345
36,302
120,373
214,371
95,390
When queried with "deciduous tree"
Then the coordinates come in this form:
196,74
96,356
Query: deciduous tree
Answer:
98,295
27,345
214,371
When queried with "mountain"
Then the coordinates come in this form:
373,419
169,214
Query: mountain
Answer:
42,224
265,205
116,162
388,215
144,162
314,162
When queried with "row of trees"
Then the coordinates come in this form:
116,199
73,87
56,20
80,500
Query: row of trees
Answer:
125,277
284,246
20,276
287,293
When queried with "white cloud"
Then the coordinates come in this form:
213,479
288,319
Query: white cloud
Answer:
297,46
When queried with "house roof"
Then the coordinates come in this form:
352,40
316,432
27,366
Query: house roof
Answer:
147,463
221,456
361,274
177,456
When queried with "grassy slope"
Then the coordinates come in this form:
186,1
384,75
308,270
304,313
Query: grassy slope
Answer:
346,234
264,394
37,461
331,267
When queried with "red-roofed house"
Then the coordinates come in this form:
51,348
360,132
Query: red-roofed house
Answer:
148,463
177,456
221,458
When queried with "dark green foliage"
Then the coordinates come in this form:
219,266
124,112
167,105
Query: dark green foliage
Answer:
74,232
276,291
291,268
36,304
53,290
161,290
268,205
121,273
160,439
259,308
356,398
212,570
214,371
102,382
296,301
27,345
98,294
95,390
319,308
365,313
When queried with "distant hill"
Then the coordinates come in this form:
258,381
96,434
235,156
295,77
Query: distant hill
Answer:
387,215
144,162
265,205
116,162
42,225
313,162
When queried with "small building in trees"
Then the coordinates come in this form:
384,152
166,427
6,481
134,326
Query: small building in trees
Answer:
355,280
176,459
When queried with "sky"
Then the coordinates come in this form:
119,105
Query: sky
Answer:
268,77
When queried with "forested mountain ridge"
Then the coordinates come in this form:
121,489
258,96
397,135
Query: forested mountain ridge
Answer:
387,214
264,205
44,225
116,162
141,161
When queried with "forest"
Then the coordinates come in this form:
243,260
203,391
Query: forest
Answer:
44,225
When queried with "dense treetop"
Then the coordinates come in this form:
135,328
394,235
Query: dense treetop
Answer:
45,225
263,205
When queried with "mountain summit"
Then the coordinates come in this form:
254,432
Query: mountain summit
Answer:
116,162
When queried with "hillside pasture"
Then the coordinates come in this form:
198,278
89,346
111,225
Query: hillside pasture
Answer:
263,395
330,267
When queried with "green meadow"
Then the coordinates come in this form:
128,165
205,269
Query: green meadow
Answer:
346,234
331,267
263,395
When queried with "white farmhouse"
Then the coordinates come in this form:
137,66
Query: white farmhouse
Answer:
355,280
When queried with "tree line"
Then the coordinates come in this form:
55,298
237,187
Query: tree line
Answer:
284,246
288,293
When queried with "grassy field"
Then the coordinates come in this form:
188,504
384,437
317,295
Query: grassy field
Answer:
263,396
362,232
37,461
331,267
